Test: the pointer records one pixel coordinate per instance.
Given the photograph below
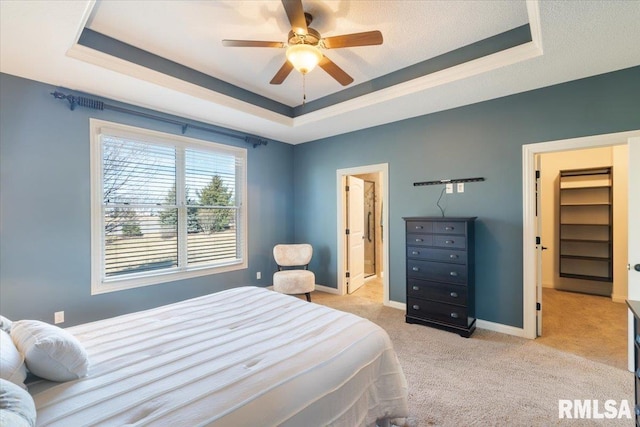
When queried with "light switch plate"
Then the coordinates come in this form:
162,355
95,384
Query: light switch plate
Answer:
461,187
449,188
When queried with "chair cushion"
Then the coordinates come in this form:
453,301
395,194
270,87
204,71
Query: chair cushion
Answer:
294,281
293,255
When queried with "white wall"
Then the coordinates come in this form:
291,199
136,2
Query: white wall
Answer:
551,165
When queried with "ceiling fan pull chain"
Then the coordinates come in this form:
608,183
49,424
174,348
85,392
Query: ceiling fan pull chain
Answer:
304,89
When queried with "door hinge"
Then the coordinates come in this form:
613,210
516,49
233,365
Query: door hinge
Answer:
537,306
348,275
347,231
537,240
537,174
346,188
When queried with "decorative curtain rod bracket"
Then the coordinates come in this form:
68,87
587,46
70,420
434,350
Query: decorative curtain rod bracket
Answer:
99,105
447,181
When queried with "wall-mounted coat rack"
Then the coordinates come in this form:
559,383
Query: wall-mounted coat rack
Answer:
447,181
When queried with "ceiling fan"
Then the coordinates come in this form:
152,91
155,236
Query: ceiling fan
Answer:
304,45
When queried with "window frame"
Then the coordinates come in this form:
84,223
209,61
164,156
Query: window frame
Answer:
99,283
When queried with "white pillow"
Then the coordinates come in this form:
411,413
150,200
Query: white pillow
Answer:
50,352
5,324
17,408
11,361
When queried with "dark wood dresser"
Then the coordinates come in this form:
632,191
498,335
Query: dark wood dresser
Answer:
440,273
635,309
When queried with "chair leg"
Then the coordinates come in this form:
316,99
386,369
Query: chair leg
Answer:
308,294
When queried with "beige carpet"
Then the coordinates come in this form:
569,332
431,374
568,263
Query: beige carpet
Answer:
490,379
591,326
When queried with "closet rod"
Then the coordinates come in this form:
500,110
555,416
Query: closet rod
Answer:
99,105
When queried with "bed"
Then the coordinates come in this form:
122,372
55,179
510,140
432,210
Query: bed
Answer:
242,357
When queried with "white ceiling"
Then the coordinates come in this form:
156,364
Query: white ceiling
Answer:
571,40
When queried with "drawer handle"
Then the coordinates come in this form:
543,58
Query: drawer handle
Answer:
453,274
416,307
416,288
454,315
449,228
418,240
449,242
453,256
454,294
415,253
415,269
419,227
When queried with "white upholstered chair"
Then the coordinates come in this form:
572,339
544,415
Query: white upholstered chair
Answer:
289,279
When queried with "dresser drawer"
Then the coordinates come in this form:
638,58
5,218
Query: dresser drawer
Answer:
443,292
444,255
419,239
449,228
450,241
419,227
436,271
446,313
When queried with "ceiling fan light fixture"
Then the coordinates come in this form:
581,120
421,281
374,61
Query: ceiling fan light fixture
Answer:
303,57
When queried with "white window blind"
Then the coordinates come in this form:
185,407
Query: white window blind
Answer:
165,207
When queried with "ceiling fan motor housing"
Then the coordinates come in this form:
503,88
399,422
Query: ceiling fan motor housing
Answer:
312,37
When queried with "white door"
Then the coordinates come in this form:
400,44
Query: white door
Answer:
634,216
539,247
634,235
355,238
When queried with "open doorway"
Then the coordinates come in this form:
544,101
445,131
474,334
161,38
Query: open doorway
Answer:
362,235
531,248
583,223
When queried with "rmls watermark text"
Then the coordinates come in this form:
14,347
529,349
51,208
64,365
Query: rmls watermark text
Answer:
593,409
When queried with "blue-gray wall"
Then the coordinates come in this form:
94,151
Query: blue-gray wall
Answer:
45,210
481,140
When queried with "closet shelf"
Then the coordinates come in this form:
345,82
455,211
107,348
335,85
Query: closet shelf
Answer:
586,204
586,241
586,218
586,258
590,224
586,277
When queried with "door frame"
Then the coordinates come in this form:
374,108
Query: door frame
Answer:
341,174
529,251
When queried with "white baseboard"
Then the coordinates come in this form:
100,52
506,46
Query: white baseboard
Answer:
398,305
327,289
618,298
482,324
499,327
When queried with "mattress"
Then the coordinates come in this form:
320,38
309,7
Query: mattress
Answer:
242,357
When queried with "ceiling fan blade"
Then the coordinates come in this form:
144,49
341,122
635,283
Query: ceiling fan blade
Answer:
367,38
282,73
295,13
334,71
250,43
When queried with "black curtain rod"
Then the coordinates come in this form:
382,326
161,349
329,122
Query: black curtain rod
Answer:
99,105
448,181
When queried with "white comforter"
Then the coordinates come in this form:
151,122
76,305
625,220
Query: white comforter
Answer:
242,357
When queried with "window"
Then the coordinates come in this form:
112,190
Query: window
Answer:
164,207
